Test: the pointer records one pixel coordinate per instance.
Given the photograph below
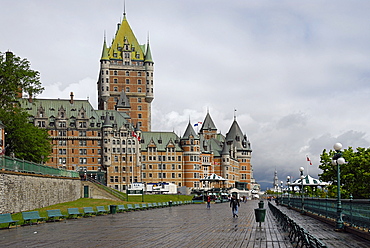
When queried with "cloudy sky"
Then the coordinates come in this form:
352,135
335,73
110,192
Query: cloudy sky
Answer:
297,72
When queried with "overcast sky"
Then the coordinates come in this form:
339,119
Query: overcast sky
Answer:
297,72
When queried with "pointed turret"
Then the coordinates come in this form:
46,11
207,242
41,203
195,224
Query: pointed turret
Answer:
208,124
105,55
190,132
148,54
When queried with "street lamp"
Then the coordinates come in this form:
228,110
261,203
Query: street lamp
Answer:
301,169
338,160
288,184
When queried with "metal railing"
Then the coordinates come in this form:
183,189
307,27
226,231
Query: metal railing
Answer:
355,212
298,236
18,165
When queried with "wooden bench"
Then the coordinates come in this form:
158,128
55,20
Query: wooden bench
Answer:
7,219
121,208
74,212
101,210
89,211
33,215
53,214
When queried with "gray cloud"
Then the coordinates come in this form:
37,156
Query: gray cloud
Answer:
297,73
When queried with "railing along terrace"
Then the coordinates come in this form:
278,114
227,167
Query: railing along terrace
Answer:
18,165
355,212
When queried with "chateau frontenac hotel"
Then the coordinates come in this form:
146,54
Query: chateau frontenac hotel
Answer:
115,144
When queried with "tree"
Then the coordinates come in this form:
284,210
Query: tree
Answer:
15,77
354,174
23,139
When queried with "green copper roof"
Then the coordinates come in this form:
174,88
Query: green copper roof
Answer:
148,54
208,123
160,139
105,55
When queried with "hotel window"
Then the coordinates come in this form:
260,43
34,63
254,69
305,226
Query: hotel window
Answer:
115,80
139,107
139,90
139,81
127,89
139,74
127,81
115,73
115,89
127,73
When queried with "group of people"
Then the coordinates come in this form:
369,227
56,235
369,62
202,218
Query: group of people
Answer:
234,204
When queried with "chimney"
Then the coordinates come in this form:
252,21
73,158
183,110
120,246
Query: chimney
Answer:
29,97
71,101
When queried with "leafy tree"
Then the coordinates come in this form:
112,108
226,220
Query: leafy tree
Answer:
354,174
15,77
23,139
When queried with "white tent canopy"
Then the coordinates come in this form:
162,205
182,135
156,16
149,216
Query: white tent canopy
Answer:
213,178
309,181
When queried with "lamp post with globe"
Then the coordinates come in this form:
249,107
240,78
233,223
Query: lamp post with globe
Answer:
338,160
288,184
301,169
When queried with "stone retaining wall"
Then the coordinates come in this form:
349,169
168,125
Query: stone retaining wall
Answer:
21,192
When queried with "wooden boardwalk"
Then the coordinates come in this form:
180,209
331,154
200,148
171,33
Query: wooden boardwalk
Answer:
181,226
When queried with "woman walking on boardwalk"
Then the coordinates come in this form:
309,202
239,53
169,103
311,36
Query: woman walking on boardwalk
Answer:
234,204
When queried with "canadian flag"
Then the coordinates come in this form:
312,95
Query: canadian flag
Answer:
308,159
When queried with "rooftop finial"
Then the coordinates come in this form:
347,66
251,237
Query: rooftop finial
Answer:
124,8
234,114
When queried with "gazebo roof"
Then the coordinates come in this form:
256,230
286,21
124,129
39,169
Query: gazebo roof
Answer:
212,178
309,181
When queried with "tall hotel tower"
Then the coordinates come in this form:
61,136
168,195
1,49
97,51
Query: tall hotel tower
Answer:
126,77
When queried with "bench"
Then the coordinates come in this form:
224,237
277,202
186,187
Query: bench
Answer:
155,205
144,206
137,207
101,210
33,215
121,208
74,212
89,211
55,213
197,201
130,207
218,201
150,205
7,219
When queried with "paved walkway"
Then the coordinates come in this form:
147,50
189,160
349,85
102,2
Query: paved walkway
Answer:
181,226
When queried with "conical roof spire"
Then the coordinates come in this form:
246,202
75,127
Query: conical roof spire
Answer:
148,53
189,132
105,55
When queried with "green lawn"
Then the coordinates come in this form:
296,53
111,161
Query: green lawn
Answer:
87,202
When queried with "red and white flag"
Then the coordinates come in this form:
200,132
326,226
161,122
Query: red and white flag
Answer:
308,159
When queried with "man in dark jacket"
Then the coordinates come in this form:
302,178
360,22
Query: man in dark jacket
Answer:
234,204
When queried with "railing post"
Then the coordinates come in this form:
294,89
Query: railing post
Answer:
350,205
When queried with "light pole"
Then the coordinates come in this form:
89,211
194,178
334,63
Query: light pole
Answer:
338,160
301,169
288,184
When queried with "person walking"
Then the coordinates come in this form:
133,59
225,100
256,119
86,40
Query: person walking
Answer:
208,201
234,204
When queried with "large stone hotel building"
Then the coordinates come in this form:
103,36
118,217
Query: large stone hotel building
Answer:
115,144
